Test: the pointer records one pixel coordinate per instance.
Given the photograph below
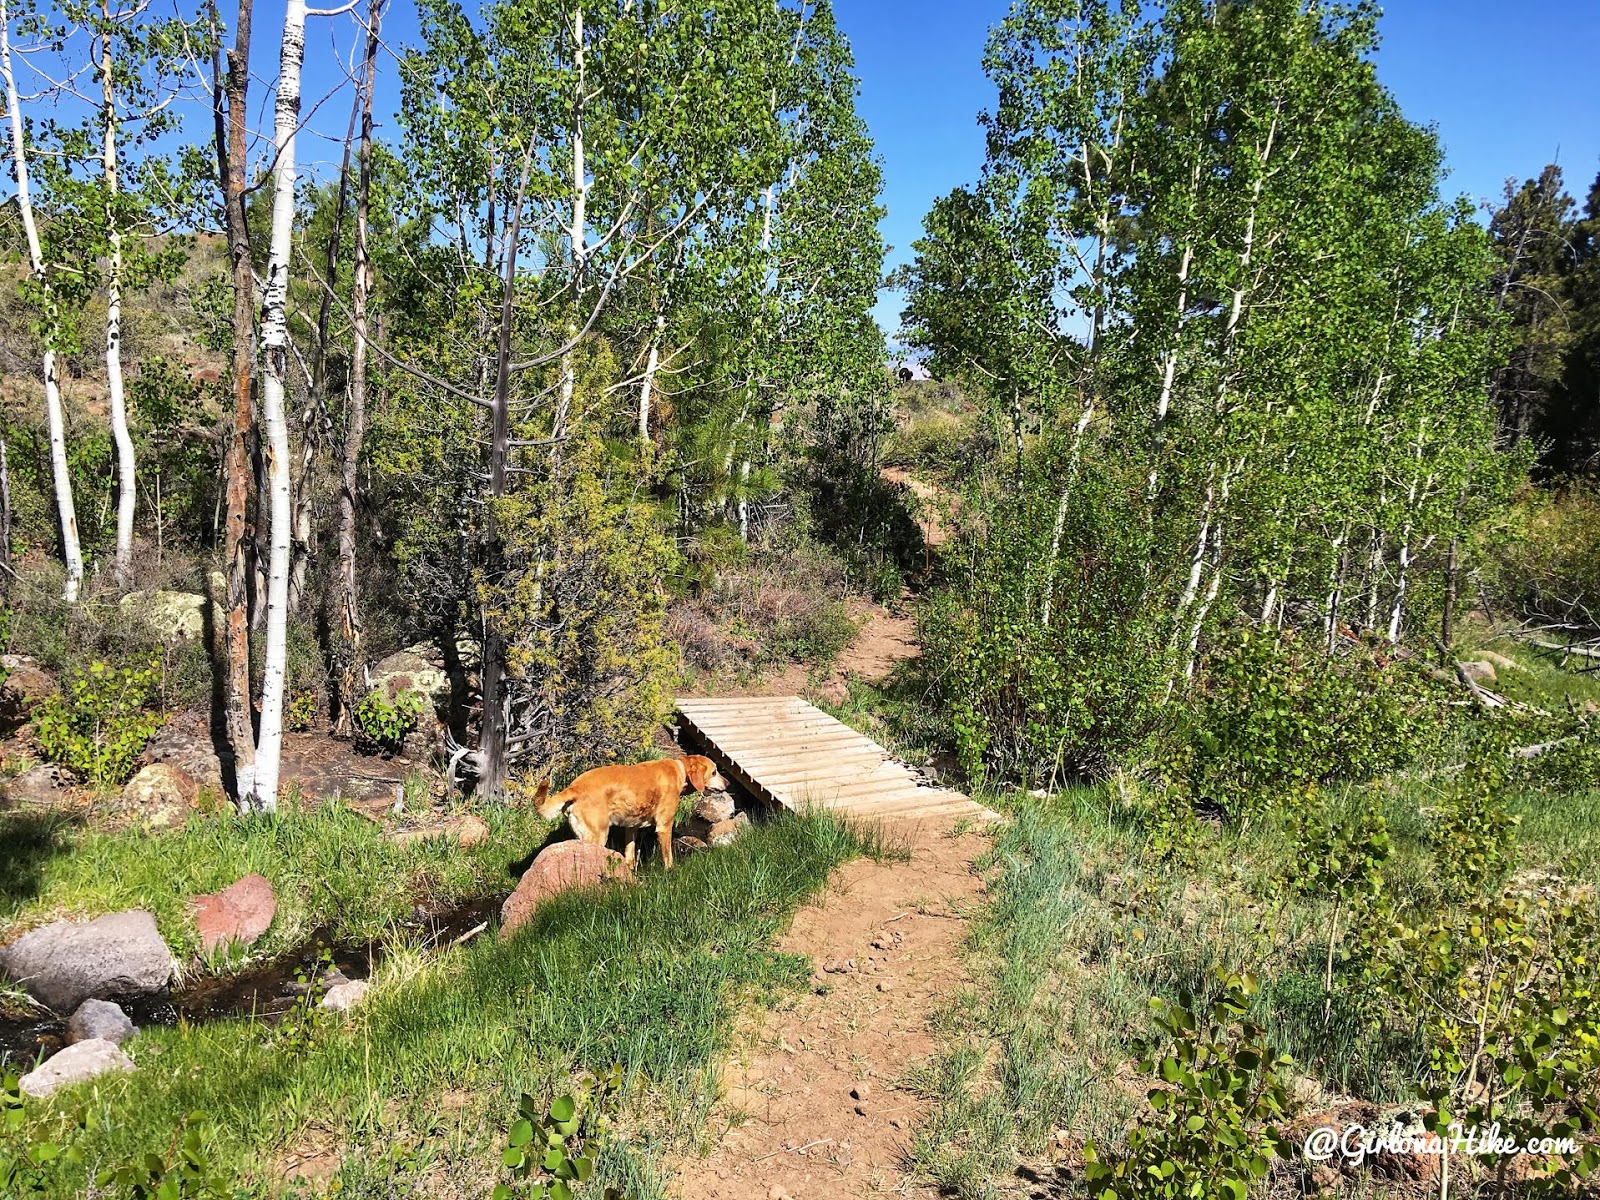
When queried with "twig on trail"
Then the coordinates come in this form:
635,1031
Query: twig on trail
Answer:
898,916
469,935
794,1149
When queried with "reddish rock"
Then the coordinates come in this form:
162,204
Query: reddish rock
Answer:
240,913
560,868
27,684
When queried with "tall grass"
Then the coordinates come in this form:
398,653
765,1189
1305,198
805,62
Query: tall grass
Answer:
418,1085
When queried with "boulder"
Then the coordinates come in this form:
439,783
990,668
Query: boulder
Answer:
100,1019
185,743
412,670
560,868
161,785
42,785
1499,661
27,684
239,913
1479,670
724,832
64,964
342,997
176,616
713,807
78,1063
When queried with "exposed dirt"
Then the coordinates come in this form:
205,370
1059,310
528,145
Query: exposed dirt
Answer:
883,638
930,508
814,1104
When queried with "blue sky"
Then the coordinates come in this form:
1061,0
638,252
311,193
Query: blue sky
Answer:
1508,86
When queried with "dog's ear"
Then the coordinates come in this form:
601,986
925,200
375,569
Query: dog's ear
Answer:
698,768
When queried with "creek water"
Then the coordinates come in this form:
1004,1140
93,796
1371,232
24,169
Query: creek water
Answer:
262,991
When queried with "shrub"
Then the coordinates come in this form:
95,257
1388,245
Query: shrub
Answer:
382,723
99,724
549,1150
1548,565
1274,718
1074,695
1217,1086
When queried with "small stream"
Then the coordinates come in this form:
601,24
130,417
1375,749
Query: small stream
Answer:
261,991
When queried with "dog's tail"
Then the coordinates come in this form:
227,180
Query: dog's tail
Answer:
549,806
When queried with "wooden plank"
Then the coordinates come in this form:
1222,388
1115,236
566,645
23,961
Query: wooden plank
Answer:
793,754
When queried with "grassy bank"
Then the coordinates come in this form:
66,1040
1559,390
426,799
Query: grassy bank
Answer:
413,1093
1086,923
330,867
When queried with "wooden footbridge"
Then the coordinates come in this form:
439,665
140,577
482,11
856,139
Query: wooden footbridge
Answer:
791,753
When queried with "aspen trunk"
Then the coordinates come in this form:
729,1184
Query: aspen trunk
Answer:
66,511
275,364
1061,514
356,414
232,140
651,365
127,472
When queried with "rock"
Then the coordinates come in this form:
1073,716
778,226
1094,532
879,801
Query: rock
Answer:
161,785
176,616
560,868
1499,661
100,1019
686,845
861,1091
342,997
724,832
27,684
64,964
43,785
1479,670
240,913
412,670
185,743
713,807
466,830
78,1063
470,831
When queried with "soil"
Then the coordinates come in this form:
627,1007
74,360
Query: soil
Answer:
815,1103
883,638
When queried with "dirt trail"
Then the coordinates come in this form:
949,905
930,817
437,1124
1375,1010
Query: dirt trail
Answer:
813,1104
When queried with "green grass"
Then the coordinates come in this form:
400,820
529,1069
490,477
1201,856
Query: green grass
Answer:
1084,926
329,867
415,1091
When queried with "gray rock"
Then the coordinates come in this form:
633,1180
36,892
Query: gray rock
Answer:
412,670
44,785
724,833
1479,669
100,1019
78,1063
64,964
342,997
176,616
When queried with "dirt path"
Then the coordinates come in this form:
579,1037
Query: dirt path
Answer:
813,1104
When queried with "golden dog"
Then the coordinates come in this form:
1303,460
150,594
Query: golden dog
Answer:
634,797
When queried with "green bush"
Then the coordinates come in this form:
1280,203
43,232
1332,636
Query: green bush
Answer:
1548,563
1216,1088
100,721
383,723
1073,696
1274,718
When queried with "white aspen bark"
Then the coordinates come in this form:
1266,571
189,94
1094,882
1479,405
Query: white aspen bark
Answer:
1374,570
744,501
1061,515
66,511
1330,620
1197,562
1400,588
274,345
580,219
652,364
1205,605
127,474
